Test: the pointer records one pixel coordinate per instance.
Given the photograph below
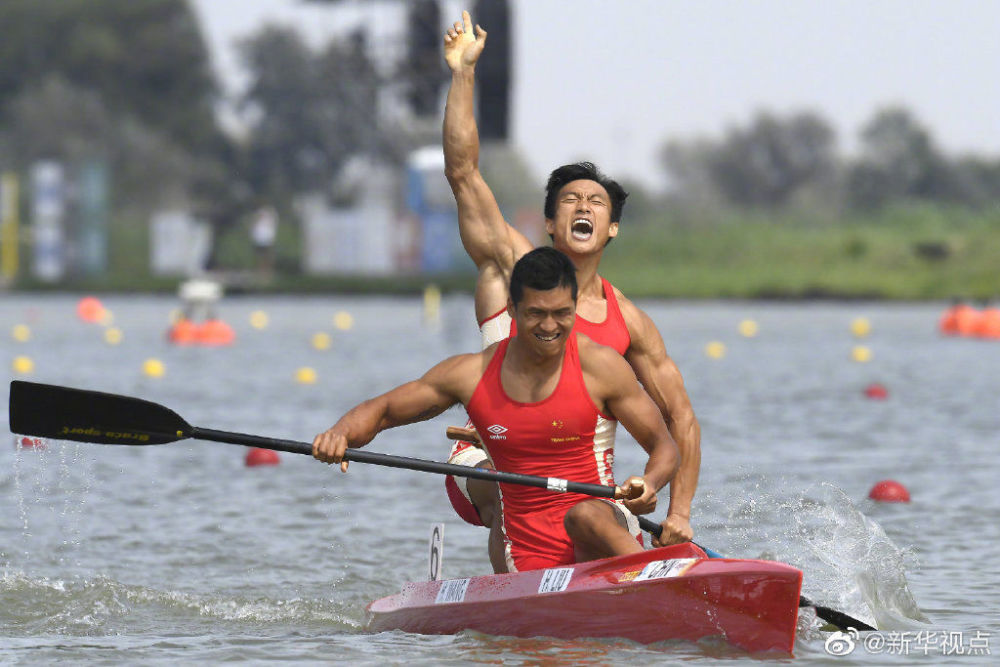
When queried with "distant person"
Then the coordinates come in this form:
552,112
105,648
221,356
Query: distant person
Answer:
263,233
583,209
539,397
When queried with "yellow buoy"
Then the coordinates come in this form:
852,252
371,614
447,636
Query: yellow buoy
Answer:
21,333
305,375
259,319
861,354
748,328
321,340
432,305
343,320
715,350
861,327
23,365
153,368
112,335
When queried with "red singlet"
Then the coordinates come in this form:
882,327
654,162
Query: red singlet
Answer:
551,438
611,332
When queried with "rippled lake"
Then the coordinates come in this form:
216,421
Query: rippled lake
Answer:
181,553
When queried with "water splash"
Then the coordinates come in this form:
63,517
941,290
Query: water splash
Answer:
848,561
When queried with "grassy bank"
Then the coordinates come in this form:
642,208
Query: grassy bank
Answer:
907,252
915,252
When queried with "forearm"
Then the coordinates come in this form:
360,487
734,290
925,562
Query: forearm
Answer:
461,135
662,466
363,422
687,434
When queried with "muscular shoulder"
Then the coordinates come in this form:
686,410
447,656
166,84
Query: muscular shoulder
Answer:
643,334
459,375
602,365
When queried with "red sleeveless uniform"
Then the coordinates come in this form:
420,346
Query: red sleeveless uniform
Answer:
553,437
612,332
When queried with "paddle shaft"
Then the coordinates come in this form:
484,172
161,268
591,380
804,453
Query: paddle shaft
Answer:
388,460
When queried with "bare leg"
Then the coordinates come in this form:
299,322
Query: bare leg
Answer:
598,530
485,498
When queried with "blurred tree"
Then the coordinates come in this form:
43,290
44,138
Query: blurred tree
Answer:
308,113
144,59
764,164
898,159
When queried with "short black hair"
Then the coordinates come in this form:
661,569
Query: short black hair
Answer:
543,268
583,171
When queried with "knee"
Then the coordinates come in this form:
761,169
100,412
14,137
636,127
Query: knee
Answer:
580,519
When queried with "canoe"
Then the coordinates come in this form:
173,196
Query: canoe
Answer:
669,593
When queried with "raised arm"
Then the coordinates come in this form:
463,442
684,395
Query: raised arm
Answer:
419,400
662,380
623,397
487,237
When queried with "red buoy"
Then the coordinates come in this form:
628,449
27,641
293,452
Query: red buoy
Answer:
889,491
261,457
33,443
877,391
90,309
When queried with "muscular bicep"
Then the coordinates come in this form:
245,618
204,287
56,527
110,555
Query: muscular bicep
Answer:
657,372
440,388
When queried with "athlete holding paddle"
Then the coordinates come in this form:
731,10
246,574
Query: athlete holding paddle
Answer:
539,397
582,214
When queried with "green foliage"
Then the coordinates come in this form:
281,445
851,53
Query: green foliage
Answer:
143,59
310,112
874,255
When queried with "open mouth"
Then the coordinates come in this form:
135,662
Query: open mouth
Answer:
547,338
582,229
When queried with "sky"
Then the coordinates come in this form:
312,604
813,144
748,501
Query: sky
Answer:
612,81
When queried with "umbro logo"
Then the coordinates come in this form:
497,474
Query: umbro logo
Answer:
497,432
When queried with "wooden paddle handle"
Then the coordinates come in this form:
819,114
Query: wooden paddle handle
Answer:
462,433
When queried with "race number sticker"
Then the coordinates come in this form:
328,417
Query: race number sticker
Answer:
661,569
555,580
452,590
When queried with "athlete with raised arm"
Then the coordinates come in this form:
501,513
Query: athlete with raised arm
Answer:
583,210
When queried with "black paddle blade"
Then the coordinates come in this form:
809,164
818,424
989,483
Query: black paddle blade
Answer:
836,618
64,413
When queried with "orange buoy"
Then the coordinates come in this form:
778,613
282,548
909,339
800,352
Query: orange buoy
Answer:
877,391
261,457
966,320
215,332
90,309
988,324
889,491
948,324
183,332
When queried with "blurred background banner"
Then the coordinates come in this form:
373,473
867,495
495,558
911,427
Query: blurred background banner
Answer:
48,210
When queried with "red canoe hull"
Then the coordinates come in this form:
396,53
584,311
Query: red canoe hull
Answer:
661,594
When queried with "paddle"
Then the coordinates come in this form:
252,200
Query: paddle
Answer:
836,618
82,415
